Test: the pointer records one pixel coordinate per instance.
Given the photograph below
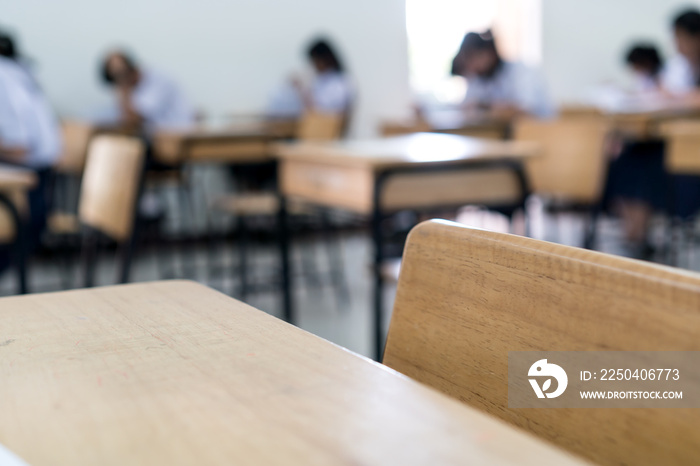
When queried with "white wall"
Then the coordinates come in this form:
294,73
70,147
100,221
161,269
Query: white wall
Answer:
227,54
585,41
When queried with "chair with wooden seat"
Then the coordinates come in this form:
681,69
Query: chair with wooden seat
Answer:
312,126
112,182
570,172
682,161
14,213
68,170
468,297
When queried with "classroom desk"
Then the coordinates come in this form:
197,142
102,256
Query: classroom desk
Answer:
375,177
14,184
176,373
241,143
451,121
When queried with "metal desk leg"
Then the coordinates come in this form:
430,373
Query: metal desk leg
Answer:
286,279
378,241
20,248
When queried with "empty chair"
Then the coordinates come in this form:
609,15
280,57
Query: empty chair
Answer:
68,171
312,126
467,297
109,194
570,172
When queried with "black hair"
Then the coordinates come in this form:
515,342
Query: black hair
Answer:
688,21
323,50
645,55
8,49
474,42
104,67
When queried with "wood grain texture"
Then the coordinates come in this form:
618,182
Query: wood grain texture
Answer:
467,297
110,185
572,164
175,373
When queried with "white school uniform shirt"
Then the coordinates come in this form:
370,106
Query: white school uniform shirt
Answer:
677,76
513,84
331,92
160,102
27,120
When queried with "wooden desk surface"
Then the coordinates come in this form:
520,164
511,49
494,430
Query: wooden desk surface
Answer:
411,149
175,373
232,143
13,178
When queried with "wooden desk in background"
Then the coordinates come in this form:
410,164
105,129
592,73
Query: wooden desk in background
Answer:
422,171
14,184
242,143
450,121
175,373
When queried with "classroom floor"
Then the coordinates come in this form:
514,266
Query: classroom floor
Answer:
320,308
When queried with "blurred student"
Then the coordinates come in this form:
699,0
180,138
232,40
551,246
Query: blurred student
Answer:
638,182
681,76
646,64
146,100
498,88
29,133
330,90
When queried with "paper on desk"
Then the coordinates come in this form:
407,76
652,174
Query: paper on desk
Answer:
7,458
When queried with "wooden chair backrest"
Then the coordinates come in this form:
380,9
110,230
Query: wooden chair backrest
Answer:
468,297
682,156
111,183
76,138
572,165
315,126
8,230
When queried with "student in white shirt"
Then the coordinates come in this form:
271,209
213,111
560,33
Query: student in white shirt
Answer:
681,76
330,91
646,64
496,87
29,133
145,99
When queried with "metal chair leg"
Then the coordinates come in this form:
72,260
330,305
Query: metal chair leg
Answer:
89,253
243,244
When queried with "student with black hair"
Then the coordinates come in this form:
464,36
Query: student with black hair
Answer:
497,87
330,90
681,76
29,133
646,63
638,183
145,100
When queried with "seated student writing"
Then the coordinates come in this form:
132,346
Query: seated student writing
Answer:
330,90
498,88
29,133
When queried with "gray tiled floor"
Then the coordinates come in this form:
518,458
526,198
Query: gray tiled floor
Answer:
319,309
